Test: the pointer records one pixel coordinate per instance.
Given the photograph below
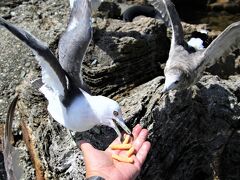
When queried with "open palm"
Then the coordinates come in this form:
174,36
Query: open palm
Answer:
100,163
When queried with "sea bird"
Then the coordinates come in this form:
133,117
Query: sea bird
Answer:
68,103
185,67
95,4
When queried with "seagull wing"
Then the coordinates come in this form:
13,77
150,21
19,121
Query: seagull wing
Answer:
52,73
74,42
11,155
226,42
171,18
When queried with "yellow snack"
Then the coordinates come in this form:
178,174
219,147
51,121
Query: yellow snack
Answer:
130,151
122,159
127,139
120,146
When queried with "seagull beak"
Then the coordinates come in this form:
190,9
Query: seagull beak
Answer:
121,123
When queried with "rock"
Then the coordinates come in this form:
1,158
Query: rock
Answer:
109,10
132,1
194,133
231,6
189,131
226,67
127,54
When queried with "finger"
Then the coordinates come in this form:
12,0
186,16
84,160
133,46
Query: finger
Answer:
116,141
86,148
143,151
140,139
136,130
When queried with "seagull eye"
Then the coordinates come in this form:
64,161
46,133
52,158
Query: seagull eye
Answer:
115,113
176,82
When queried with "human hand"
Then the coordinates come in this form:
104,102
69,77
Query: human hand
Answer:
100,163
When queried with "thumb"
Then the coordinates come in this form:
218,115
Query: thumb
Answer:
86,147
89,153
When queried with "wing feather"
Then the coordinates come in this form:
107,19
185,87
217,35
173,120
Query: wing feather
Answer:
52,73
225,43
74,42
171,18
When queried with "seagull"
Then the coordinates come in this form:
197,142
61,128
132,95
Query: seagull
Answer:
68,103
185,67
129,14
11,155
95,4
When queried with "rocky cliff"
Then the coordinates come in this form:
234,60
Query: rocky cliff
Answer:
194,133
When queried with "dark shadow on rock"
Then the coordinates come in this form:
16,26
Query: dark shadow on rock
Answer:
100,136
188,133
3,174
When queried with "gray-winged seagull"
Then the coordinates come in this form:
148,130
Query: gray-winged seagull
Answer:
68,103
184,67
95,4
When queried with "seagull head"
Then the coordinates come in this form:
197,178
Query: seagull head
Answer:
173,80
109,113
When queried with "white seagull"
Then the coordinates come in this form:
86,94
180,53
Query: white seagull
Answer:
68,103
184,67
95,4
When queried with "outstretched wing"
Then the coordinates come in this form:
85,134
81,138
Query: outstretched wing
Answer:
226,42
11,155
171,18
52,73
74,42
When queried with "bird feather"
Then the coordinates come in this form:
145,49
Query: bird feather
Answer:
74,42
52,73
225,43
171,19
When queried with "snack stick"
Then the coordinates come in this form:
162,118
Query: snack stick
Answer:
120,146
127,138
130,151
122,159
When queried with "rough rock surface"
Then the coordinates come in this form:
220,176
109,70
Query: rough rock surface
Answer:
194,133
124,55
232,6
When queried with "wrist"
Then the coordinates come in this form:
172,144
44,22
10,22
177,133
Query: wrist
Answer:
95,178
91,174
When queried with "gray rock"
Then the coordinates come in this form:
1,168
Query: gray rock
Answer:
128,54
108,10
231,6
194,133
